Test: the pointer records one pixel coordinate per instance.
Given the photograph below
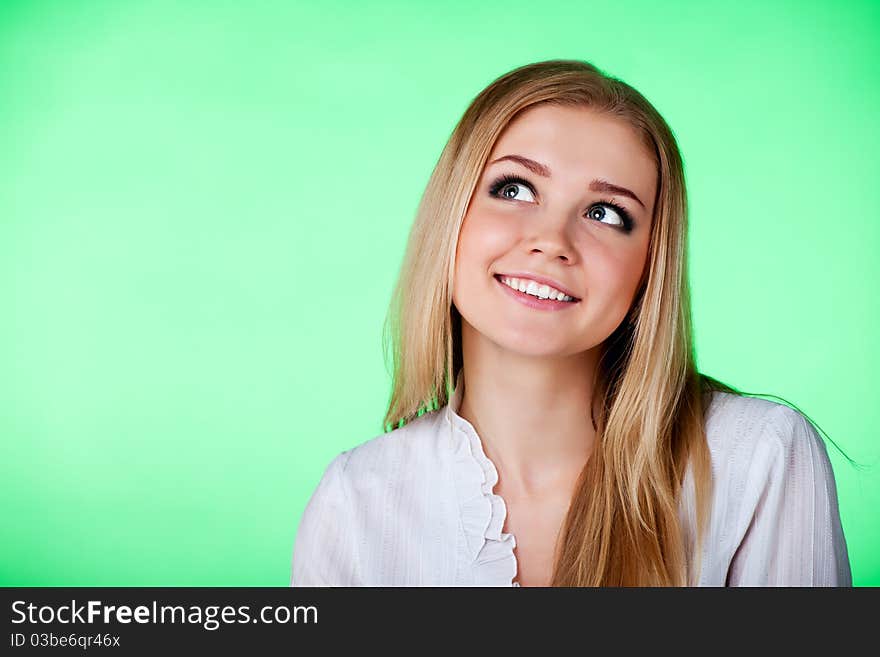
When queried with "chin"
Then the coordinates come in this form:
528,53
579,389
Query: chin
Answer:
532,344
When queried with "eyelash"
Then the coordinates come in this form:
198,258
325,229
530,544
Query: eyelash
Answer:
508,179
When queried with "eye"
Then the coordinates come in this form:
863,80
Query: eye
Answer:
619,216
507,187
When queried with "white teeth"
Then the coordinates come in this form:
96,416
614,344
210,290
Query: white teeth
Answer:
531,287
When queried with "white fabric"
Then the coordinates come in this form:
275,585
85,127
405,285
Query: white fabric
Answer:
415,507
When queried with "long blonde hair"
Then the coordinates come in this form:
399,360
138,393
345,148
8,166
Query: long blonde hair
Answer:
622,527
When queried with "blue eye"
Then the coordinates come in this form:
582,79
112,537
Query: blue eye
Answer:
597,211
505,183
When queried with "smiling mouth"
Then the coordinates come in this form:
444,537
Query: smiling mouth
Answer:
571,301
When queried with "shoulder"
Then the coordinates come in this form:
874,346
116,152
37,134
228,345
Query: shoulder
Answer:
744,432
733,419
406,454
777,520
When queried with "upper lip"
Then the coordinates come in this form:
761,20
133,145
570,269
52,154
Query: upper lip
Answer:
538,278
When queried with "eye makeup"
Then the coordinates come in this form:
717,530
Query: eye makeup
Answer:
507,179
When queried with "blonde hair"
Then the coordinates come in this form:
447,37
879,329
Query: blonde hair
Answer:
622,527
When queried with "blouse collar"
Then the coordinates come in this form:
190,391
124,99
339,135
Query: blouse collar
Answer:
482,511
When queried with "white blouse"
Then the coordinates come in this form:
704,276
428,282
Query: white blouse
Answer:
415,506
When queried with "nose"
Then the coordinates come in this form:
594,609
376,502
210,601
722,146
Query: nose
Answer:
550,237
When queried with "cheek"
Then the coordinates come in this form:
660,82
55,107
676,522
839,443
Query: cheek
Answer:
614,277
484,238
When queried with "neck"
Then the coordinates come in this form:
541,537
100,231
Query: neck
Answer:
532,414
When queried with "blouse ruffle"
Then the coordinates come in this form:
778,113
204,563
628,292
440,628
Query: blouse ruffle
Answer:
482,512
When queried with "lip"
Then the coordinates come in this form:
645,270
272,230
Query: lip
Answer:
535,302
543,280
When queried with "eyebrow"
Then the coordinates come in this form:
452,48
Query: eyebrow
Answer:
597,185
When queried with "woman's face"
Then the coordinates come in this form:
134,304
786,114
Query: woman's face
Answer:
558,226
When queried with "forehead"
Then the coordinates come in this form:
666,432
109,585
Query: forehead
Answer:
579,143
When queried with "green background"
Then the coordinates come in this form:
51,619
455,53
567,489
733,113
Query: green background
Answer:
203,207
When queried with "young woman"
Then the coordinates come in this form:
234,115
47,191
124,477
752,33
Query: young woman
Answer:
547,425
